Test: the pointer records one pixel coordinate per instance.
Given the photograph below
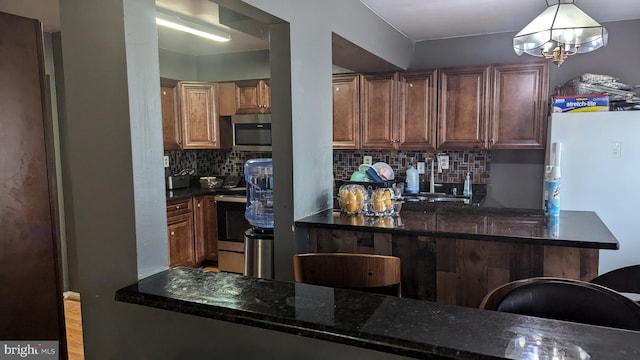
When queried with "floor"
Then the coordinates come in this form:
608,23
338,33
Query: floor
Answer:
73,322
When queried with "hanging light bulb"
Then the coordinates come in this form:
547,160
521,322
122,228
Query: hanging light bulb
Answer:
560,31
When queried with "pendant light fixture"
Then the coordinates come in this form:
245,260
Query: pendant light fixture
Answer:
560,31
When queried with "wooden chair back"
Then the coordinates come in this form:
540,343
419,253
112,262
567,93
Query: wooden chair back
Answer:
626,279
565,299
350,271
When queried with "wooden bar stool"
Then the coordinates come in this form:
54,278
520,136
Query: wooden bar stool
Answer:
375,273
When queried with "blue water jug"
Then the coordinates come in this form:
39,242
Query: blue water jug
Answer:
258,174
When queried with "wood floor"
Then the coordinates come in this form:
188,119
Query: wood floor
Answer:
73,321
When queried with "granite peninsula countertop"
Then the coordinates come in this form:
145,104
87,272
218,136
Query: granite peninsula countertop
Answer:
407,327
581,229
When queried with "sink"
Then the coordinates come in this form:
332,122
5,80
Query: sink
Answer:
436,197
447,199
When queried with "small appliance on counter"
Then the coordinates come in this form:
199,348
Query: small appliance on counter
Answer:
180,180
258,240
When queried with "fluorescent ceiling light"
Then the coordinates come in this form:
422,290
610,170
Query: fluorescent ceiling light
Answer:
177,22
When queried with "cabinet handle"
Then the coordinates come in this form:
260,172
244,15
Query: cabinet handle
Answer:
492,141
173,233
198,204
177,207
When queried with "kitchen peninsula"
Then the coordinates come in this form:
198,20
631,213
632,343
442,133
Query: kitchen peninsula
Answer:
456,255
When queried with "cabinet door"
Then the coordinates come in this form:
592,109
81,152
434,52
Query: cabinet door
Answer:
210,228
463,105
171,129
417,110
180,229
253,97
346,111
379,110
226,93
199,116
199,230
518,116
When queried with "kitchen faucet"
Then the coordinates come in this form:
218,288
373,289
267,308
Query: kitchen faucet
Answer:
432,184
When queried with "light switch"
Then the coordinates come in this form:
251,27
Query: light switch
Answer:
421,167
367,160
616,149
166,161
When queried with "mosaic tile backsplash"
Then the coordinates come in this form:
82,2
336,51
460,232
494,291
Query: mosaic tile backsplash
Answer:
211,162
345,162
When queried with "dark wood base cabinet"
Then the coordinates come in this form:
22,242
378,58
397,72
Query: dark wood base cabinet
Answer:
192,230
459,271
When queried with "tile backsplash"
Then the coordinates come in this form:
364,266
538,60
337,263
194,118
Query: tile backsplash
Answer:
211,162
345,162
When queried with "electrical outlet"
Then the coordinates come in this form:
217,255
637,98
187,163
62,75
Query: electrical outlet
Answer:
421,168
616,149
166,161
444,161
367,160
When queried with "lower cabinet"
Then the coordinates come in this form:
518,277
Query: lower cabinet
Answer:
191,227
181,233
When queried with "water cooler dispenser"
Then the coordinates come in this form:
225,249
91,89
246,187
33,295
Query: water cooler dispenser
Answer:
258,240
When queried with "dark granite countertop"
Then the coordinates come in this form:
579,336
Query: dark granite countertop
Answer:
407,327
189,192
582,229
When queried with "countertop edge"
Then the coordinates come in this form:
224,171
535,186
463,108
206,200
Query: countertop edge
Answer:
402,348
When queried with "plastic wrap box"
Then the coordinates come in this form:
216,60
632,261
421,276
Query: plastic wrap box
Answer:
580,103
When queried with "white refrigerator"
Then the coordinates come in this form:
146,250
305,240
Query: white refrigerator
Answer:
600,171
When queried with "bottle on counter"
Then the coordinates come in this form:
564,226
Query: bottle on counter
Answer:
467,186
413,181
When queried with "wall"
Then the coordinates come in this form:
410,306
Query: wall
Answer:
113,154
177,66
234,66
516,176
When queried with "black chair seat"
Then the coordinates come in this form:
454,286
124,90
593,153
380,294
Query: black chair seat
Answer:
565,299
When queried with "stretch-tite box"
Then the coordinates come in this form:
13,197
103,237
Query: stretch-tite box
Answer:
579,103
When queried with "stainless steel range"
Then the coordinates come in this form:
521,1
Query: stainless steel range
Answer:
230,207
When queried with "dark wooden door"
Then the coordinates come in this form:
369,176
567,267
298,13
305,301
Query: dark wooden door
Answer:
210,229
379,110
171,129
346,111
519,111
199,228
199,116
463,106
417,110
31,301
180,229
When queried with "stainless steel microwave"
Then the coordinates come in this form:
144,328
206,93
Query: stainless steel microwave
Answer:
251,132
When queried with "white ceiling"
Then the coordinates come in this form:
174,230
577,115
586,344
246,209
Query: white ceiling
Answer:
417,19
439,19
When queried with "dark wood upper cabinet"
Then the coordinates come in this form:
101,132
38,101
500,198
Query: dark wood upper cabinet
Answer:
346,111
171,128
463,107
253,97
378,103
201,126
226,93
519,105
417,111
